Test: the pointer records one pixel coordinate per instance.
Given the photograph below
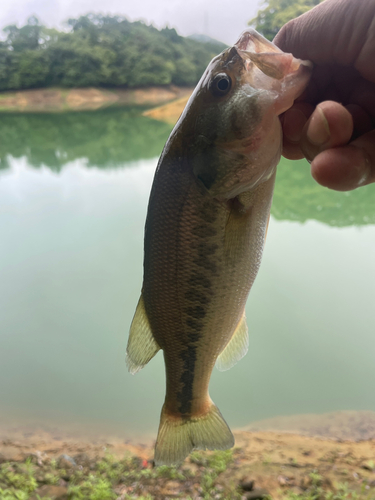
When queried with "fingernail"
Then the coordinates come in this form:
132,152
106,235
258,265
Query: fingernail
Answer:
294,121
364,169
318,129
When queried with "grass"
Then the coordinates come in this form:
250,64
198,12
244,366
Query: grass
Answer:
93,488
342,491
19,478
206,475
213,465
101,481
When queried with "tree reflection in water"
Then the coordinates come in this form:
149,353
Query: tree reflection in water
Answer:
113,138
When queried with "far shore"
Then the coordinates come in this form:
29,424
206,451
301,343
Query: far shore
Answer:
49,100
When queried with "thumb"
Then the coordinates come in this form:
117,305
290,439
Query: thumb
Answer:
329,126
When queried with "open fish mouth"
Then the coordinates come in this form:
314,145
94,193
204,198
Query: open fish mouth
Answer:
251,41
273,62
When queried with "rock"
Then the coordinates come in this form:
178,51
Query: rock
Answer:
247,484
40,476
257,494
173,484
37,458
52,492
65,462
171,488
82,459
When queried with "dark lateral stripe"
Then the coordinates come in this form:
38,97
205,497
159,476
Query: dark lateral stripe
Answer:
199,279
185,396
204,230
194,325
196,312
194,295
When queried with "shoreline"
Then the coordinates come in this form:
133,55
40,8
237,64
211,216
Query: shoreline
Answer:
346,425
283,466
57,100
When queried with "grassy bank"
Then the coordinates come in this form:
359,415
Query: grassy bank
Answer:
263,465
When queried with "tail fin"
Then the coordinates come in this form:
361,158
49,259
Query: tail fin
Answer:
178,437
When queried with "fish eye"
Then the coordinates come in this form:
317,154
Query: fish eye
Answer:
220,85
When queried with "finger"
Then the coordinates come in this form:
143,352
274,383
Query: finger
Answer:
363,94
362,121
329,126
292,151
366,143
333,31
346,168
293,122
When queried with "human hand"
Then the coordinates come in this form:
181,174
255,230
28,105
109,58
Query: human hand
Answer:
333,123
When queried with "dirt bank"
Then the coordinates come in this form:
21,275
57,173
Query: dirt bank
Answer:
169,112
57,100
352,425
276,463
283,465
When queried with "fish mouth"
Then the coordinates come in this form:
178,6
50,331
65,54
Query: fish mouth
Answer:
273,62
251,41
272,70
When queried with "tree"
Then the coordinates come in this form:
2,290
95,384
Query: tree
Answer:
272,18
31,71
100,50
25,38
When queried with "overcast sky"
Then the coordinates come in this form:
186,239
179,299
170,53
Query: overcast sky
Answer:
221,19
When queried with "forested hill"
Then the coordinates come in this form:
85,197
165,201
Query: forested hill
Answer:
101,51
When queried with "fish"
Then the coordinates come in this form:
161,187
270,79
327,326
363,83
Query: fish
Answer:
205,229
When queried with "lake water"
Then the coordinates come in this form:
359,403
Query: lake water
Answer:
73,198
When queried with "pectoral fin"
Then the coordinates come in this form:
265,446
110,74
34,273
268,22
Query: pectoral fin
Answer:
235,349
141,344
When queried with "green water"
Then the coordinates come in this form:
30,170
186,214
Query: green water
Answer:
73,198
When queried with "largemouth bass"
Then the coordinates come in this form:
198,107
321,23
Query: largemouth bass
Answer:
205,230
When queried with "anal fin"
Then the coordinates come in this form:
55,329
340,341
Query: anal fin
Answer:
141,344
236,348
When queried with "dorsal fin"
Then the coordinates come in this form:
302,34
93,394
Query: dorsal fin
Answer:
141,344
236,348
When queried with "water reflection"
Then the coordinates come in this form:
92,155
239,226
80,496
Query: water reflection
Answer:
107,138
115,137
298,197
